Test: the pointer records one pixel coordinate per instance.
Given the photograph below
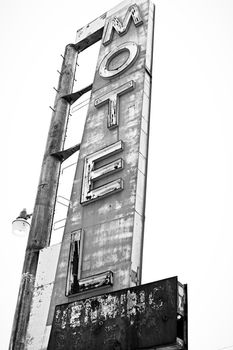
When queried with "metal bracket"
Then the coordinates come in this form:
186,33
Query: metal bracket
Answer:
65,154
71,98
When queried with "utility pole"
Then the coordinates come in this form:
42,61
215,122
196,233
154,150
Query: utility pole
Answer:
42,218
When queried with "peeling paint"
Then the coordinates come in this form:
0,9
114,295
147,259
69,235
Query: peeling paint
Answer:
109,184
140,317
41,297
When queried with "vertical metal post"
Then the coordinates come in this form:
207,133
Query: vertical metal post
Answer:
186,317
40,232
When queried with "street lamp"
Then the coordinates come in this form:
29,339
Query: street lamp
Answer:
20,226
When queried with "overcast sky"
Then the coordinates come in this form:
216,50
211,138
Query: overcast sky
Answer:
189,221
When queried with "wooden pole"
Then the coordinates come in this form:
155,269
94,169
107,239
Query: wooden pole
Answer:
42,219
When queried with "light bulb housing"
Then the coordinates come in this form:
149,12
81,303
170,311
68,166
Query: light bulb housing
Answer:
20,227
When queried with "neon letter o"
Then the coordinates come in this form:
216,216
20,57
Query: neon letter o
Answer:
131,48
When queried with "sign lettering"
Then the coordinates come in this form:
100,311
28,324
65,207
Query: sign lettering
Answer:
121,28
128,51
112,98
90,175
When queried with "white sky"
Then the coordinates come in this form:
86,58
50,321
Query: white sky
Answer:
189,224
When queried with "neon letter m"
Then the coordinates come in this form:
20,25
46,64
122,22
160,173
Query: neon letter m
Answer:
121,29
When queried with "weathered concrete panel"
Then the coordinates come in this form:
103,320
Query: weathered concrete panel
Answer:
44,283
46,336
134,318
38,316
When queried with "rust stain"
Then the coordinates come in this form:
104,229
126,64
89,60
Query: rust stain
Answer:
141,316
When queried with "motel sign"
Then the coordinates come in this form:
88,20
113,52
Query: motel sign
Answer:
92,297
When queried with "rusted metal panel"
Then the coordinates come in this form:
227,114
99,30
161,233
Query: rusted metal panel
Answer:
129,319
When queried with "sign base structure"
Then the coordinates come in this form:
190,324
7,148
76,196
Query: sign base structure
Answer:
149,316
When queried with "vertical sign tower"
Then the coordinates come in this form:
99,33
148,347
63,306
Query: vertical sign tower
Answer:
95,300
104,228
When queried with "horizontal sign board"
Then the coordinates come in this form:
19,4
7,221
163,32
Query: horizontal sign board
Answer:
134,318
